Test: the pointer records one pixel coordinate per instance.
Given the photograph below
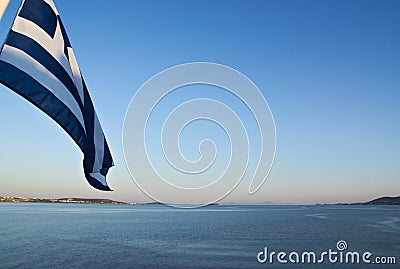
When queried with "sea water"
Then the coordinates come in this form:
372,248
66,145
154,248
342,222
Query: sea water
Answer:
34,235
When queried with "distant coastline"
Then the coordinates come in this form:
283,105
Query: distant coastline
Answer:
378,201
60,200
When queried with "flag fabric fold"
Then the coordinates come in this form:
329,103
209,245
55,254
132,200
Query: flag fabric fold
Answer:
38,63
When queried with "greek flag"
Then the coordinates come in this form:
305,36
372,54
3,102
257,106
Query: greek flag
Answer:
37,62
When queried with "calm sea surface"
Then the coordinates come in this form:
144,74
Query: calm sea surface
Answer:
154,236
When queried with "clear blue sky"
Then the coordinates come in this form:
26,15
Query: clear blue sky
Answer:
330,71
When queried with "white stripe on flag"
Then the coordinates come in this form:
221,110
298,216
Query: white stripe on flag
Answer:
30,66
98,145
99,177
76,73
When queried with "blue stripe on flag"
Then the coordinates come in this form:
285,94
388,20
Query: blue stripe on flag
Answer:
88,112
107,161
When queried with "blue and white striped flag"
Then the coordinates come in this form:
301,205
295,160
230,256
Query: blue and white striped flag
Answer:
37,62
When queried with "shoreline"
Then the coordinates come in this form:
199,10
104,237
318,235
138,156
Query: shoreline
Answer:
378,201
61,200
